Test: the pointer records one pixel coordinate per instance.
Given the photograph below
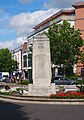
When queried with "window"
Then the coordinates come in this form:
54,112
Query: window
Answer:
25,60
29,60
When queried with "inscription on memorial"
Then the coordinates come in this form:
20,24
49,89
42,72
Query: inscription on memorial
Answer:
41,46
40,66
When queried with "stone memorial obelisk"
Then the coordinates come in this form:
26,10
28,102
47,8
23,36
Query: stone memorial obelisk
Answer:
41,67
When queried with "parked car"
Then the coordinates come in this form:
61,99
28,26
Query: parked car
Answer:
60,80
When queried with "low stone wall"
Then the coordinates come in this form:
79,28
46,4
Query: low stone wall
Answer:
41,100
66,88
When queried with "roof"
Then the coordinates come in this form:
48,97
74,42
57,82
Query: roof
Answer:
61,12
78,4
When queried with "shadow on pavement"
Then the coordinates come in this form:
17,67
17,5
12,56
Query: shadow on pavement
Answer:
10,111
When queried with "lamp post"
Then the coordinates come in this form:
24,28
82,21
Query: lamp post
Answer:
12,71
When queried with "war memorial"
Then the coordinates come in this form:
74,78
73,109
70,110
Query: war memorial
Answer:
42,85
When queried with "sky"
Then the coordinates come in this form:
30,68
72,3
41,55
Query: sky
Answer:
18,17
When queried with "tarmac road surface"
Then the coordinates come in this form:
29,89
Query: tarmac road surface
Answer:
27,111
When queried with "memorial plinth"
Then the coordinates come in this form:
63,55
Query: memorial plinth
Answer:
42,85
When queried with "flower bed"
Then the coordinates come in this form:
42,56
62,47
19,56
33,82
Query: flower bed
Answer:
68,95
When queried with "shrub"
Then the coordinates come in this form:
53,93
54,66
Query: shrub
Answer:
18,89
4,93
80,81
14,92
73,77
25,82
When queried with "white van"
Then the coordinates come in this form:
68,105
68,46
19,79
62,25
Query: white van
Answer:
4,75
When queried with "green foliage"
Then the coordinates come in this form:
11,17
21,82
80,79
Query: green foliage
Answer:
73,77
65,43
25,82
6,61
14,92
18,89
4,93
82,56
81,81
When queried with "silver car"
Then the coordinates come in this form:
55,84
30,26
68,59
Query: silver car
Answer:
60,80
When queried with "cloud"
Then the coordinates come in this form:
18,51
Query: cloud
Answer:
24,22
25,1
20,40
6,44
13,43
60,3
3,15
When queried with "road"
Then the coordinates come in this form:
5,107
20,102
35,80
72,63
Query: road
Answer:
26,111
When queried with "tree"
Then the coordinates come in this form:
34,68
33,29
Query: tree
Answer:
7,64
65,43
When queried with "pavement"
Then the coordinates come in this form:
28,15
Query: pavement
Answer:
10,84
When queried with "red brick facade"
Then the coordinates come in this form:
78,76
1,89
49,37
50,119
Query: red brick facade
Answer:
79,24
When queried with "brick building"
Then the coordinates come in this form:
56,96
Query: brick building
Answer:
79,24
